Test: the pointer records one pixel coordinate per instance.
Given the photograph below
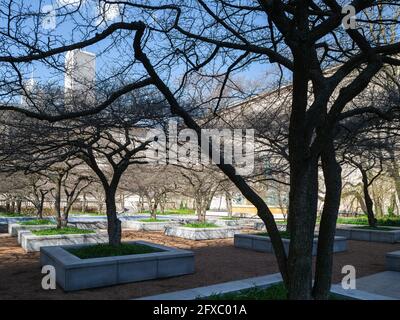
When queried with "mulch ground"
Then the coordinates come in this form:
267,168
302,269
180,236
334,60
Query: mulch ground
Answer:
216,261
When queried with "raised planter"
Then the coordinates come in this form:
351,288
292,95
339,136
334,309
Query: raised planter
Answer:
393,261
264,244
73,273
201,233
32,243
239,222
95,225
147,226
354,233
261,226
14,228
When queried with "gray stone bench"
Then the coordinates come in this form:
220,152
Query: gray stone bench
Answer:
32,243
264,244
354,233
148,226
73,273
393,261
201,233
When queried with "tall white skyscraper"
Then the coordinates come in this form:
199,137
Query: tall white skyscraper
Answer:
80,75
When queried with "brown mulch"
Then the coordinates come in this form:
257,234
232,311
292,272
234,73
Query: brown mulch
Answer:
216,261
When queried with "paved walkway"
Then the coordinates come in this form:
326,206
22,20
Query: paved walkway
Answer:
385,283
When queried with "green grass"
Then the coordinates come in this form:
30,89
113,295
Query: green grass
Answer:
151,220
106,250
55,231
87,213
275,292
363,220
171,211
36,222
11,215
284,234
201,225
376,228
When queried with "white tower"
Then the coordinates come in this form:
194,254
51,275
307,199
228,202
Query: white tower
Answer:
80,75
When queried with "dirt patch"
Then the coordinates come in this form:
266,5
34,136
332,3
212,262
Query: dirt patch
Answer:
216,261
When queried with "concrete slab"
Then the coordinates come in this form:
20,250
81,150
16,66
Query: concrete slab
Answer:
148,226
351,232
264,244
33,243
221,288
385,283
201,233
393,261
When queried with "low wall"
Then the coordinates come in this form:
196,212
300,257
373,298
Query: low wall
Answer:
393,261
354,233
201,233
147,226
32,243
264,244
73,273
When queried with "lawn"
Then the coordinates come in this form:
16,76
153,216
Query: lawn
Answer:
201,225
151,220
363,220
36,222
106,250
87,213
55,231
275,292
172,211
12,215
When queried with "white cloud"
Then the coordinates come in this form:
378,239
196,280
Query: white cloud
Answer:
108,11
69,3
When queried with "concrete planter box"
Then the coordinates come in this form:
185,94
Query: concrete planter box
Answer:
239,222
96,225
202,233
73,273
261,226
354,233
13,228
393,261
32,243
148,226
264,244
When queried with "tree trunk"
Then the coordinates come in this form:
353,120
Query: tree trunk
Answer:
228,200
114,224
368,200
302,215
333,187
19,204
40,208
57,203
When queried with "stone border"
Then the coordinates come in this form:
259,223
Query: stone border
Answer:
258,282
221,288
33,243
148,226
353,233
261,226
263,243
393,261
14,228
73,273
201,233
